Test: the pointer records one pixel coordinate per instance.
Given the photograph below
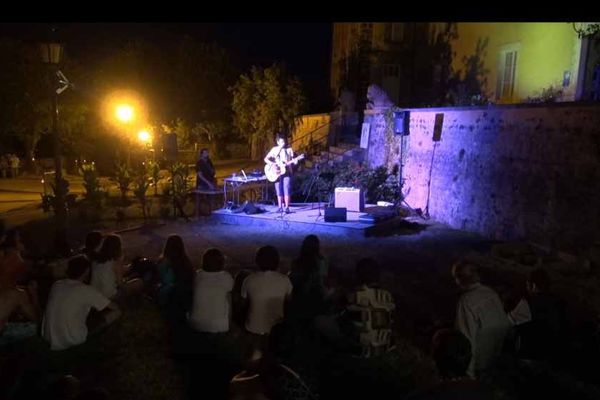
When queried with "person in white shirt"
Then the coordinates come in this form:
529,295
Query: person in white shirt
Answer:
108,271
480,317
69,303
281,154
211,307
267,291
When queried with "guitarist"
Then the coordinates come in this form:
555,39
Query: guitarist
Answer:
280,154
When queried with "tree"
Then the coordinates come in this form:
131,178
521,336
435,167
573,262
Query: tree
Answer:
25,101
264,102
25,95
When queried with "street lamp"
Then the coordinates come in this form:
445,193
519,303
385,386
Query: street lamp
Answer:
125,113
51,55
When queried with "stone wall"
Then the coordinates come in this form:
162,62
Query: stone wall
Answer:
527,171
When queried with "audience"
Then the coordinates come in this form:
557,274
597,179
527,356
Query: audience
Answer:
369,310
538,318
480,317
176,275
69,304
267,292
285,356
18,302
108,272
211,307
93,243
451,351
308,275
13,269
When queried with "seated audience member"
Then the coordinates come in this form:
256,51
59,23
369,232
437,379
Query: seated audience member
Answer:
211,307
238,304
480,317
93,243
176,278
108,272
538,318
451,351
370,310
267,291
13,269
308,275
69,303
18,302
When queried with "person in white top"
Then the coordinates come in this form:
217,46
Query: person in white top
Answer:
108,270
69,303
480,317
211,307
279,154
267,291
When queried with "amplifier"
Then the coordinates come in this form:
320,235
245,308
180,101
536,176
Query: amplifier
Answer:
352,199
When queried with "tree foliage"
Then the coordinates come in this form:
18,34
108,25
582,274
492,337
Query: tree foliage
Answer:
266,101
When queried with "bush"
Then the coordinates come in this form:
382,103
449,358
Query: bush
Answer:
123,180
91,182
378,184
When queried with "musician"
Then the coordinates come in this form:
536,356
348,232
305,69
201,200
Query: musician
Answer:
205,172
280,154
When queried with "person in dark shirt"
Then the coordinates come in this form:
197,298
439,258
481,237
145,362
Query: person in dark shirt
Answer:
205,172
451,351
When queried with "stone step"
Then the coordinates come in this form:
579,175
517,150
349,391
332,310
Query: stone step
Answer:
347,146
337,150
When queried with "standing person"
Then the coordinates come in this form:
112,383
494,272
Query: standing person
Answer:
480,317
3,165
281,154
205,172
14,165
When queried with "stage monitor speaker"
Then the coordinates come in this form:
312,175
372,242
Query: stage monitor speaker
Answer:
401,122
335,214
170,146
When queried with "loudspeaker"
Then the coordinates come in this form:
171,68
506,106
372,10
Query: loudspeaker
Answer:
335,214
401,122
170,146
437,128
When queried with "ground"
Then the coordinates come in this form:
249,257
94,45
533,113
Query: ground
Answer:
134,360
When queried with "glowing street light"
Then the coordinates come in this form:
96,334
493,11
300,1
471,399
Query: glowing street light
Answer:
125,113
144,136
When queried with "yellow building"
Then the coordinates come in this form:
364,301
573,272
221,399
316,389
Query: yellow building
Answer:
509,62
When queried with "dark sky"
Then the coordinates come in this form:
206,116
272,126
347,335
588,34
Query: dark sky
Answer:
305,48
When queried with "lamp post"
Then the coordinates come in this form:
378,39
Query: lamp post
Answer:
51,55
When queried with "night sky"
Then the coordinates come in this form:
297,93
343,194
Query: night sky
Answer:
305,48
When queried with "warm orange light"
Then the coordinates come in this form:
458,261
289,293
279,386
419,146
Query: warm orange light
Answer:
124,113
144,136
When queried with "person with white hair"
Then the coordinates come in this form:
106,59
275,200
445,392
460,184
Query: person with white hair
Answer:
480,317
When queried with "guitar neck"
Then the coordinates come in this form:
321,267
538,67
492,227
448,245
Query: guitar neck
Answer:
293,160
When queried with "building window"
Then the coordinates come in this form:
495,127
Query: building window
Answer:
507,72
397,32
394,32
